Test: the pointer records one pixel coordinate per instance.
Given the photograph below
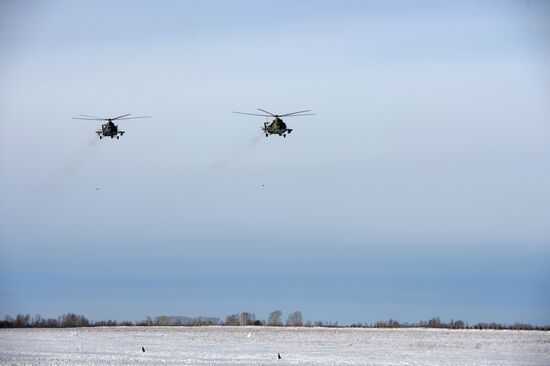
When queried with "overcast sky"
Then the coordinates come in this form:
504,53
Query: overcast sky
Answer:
421,188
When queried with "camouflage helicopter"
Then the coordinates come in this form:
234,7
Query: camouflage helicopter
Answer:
277,126
108,129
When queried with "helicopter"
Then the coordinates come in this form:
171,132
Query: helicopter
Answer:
277,126
108,129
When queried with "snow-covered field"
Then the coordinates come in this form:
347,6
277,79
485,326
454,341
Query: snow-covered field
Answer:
260,346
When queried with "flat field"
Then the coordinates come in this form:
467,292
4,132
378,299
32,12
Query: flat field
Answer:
260,346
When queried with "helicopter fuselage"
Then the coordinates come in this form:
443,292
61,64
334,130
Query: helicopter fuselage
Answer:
276,127
109,129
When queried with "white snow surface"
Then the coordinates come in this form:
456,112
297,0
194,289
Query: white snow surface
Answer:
297,346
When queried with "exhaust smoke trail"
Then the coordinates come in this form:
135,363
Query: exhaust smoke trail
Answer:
236,153
256,139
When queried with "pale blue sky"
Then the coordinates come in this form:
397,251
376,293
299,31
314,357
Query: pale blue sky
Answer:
420,189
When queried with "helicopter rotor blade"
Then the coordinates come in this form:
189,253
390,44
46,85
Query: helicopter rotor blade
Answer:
94,118
300,115
289,114
271,114
124,115
254,114
85,115
121,119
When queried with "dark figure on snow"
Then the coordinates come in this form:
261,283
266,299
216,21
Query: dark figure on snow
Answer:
142,348
279,356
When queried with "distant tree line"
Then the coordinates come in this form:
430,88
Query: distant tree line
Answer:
275,319
452,324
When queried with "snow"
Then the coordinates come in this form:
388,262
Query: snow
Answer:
260,346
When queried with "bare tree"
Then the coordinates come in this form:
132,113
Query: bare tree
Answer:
275,318
247,319
145,322
71,320
457,324
161,320
434,322
392,323
233,319
22,321
295,319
